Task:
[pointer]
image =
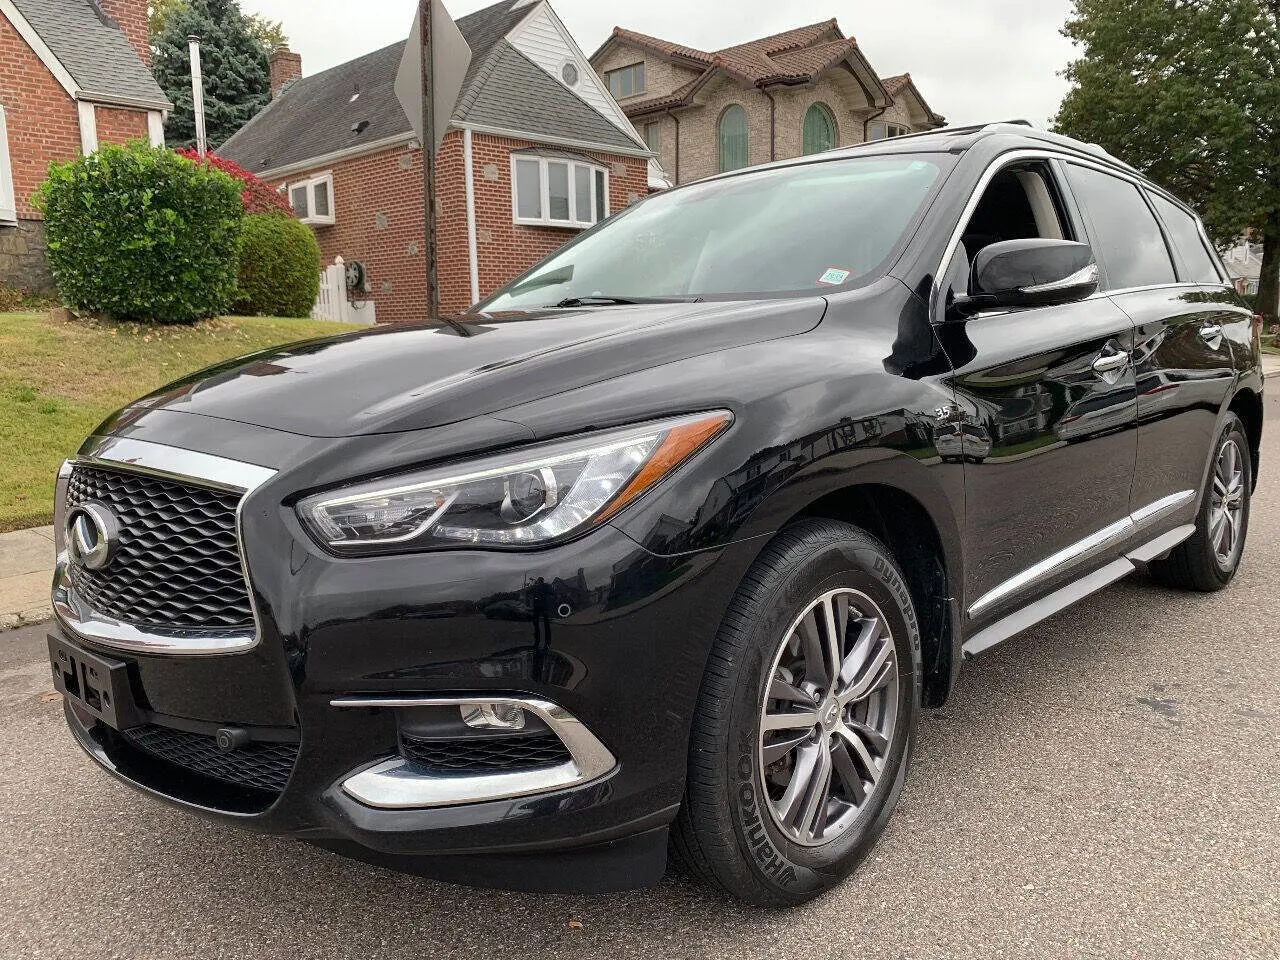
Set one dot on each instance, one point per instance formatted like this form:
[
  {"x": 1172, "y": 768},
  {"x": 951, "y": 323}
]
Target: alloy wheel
[
  {"x": 829, "y": 716},
  {"x": 1226, "y": 508}
]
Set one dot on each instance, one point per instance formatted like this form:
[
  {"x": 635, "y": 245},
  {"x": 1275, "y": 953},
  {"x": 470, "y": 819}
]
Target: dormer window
[{"x": 626, "y": 81}]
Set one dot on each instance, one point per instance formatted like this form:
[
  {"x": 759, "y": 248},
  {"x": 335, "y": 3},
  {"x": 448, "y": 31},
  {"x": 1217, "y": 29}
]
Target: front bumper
[{"x": 601, "y": 630}]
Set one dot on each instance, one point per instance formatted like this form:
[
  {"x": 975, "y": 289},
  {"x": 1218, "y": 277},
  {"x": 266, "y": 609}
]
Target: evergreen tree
[
  {"x": 237, "y": 80},
  {"x": 1189, "y": 93}
]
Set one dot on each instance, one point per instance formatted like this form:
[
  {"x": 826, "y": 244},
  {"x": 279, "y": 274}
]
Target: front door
[{"x": 1048, "y": 396}]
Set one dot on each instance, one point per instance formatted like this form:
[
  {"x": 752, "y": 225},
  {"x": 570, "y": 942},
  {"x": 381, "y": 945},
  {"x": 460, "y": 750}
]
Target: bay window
[
  {"x": 312, "y": 200},
  {"x": 558, "y": 191}
]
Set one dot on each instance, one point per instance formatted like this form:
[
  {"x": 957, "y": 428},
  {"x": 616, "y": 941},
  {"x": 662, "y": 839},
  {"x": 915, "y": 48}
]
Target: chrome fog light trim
[{"x": 402, "y": 784}]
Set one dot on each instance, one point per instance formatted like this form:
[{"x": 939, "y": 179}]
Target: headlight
[{"x": 525, "y": 498}]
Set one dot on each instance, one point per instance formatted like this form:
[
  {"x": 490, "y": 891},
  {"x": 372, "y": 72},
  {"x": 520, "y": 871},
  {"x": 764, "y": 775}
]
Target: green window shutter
[
  {"x": 819, "y": 130},
  {"x": 733, "y": 139}
]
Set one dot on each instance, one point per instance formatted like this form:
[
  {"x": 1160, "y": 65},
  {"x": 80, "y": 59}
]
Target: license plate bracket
[{"x": 96, "y": 684}]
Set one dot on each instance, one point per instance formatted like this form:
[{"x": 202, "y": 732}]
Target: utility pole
[
  {"x": 197, "y": 94},
  {"x": 429, "y": 155}
]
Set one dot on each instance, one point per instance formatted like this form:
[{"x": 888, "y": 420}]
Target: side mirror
[{"x": 1032, "y": 273}]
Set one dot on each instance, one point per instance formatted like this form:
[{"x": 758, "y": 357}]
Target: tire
[
  {"x": 731, "y": 830},
  {"x": 1201, "y": 563}
]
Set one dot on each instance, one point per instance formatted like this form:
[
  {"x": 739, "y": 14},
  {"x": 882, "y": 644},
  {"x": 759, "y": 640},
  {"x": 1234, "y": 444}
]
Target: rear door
[{"x": 1182, "y": 359}]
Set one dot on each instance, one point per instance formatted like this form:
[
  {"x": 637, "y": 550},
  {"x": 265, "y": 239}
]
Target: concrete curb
[{"x": 26, "y": 571}]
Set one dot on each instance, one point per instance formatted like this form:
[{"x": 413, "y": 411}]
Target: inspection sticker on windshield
[{"x": 834, "y": 277}]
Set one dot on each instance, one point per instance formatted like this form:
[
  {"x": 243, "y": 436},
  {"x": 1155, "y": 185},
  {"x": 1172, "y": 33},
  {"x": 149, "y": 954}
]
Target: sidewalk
[
  {"x": 1270, "y": 365},
  {"x": 26, "y": 572}
]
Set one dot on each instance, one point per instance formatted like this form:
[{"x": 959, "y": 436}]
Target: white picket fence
[{"x": 334, "y": 305}]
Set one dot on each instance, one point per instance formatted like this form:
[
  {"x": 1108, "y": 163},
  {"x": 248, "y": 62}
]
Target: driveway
[{"x": 1107, "y": 785}]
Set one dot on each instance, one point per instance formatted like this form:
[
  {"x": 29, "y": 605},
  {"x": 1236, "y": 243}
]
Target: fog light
[{"x": 493, "y": 716}]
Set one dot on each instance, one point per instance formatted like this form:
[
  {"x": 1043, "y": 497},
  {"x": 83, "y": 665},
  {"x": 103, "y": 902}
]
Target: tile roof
[
  {"x": 902, "y": 83},
  {"x": 317, "y": 115},
  {"x": 93, "y": 50},
  {"x": 792, "y": 56}
]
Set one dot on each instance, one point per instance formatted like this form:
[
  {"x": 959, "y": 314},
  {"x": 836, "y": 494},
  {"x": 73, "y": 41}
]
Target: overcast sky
[{"x": 973, "y": 60}]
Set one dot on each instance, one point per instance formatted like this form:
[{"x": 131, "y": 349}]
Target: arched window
[
  {"x": 819, "y": 130},
  {"x": 733, "y": 139}
]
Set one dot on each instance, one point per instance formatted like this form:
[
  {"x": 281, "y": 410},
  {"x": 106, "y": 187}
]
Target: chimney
[
  {"x": 131, "y": 17},
  {"x": 286, "y": 67}
]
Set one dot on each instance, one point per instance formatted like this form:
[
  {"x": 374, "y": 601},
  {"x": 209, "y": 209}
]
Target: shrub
[
  {"x": 11, "y": 298},
  {"x": 140, "y": 233},
  {"x": 257, "y": 194},
  {"x": 279, "y": 267}
]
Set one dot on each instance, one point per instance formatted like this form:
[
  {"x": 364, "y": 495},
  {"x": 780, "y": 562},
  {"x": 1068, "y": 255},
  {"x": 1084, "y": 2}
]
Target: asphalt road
[{"x": 1107, "y": 785}]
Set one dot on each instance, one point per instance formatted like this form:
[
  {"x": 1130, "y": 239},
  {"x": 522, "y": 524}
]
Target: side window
[
  {"x": 1020, "y": 203},
  {"x": 1184, "y": 233},
  {"x": 1126, "y": 237}
]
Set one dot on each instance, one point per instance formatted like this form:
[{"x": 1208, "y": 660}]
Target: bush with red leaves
[{"x": 258, "y": 195}]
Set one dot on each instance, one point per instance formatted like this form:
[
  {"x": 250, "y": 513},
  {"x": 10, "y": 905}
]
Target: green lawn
[{"x": 60, "y": 378}]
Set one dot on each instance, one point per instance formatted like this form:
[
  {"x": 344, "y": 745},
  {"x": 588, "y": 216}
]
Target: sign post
[
  {"x": 429, "y": 155},
  {"x": 435, "y": 63},
  {"x": 197, "y": 94}
]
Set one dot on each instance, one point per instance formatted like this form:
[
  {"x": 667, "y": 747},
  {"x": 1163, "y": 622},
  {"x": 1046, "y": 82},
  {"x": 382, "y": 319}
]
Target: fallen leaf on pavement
[
  {"x": 575, "y": 924},
  {"x": 50, "y": 696}
]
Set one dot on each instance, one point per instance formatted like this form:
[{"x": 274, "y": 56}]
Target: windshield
[{"x": 795, "y": 230}]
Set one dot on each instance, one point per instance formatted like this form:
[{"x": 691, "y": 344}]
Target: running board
[{"x": 1073, "y": 592}]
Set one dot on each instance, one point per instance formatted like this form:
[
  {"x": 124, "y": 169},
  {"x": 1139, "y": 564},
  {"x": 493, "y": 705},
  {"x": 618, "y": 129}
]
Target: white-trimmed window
[
  {"x": 558, "y": 192},
  {"x": 881, "y": 130},
  {"x": 312, "y": 200},
  {"x": 8, "y": 207}
]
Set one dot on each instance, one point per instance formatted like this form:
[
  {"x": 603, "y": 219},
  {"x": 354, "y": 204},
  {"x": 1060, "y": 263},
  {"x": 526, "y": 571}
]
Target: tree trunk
[{"x": 1269, "y": 279}]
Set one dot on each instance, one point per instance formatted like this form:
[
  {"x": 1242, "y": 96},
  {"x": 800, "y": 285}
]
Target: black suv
[{"x": 669, "y": 541}]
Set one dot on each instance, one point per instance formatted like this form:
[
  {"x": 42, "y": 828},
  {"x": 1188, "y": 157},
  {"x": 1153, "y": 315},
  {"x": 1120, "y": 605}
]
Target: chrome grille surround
[
  {"x": 178, "y": 562},
  {"x": 76, "y": 599}
]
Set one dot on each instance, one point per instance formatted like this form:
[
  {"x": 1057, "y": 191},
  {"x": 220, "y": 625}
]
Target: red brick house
[
  {"x": 73, "y": 74},
  {"x": 536, "y": 151},
  {"x": 782, "y": 96}
]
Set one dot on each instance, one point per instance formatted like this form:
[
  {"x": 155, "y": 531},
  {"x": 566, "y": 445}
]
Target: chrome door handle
[
  {"x": 1211, "y": 331},
  {"x": 1111, "y": 362}
]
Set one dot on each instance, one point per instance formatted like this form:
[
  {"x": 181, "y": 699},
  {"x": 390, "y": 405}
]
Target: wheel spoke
[
  {"x": 813, "y": 814},
  {"x": 813, "y": 648},
  {"x": 876, "y": 740},
  {"x": 791, "y": 802},
  {"x": 782, "y": 690},
  {"x": 868, "y": 633},
  {"x": 861, "y": 756},
  {"x": 775, "y": 751},
  {"x": 847, "y": 771},
  {"x": 836, "y": 617},
  {"x": 795, "y": 720},
  {"x": 878, "y": 671}
]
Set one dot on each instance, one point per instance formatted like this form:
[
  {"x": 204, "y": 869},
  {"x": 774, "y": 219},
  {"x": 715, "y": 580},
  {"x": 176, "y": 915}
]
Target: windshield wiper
[{"x": 606, "y": 301}]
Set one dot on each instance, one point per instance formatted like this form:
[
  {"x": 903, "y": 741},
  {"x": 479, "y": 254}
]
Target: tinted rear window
[
  {"x": 1126, "y": 237},
  {"x": 1184, "y": 233}
]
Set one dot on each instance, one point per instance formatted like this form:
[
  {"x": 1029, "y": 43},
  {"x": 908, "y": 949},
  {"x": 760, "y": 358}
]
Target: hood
[{"x": 408, "y": 377}]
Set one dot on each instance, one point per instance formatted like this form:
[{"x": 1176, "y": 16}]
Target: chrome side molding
[
  {"x": 1059, "y": 600},
  {"x": 401, "y": 784},
  {"x": 1080, "y": 552}
]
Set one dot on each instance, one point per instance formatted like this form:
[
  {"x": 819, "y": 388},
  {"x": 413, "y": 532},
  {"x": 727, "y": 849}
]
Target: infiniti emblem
[{"x": 92, "y": 535}]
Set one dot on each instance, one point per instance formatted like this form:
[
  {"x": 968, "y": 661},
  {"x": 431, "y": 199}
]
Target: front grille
[
  {"x": 487, "y": 753},
  {"x": 178, "y": 560},
  {"x": 262, "y": 766}
]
